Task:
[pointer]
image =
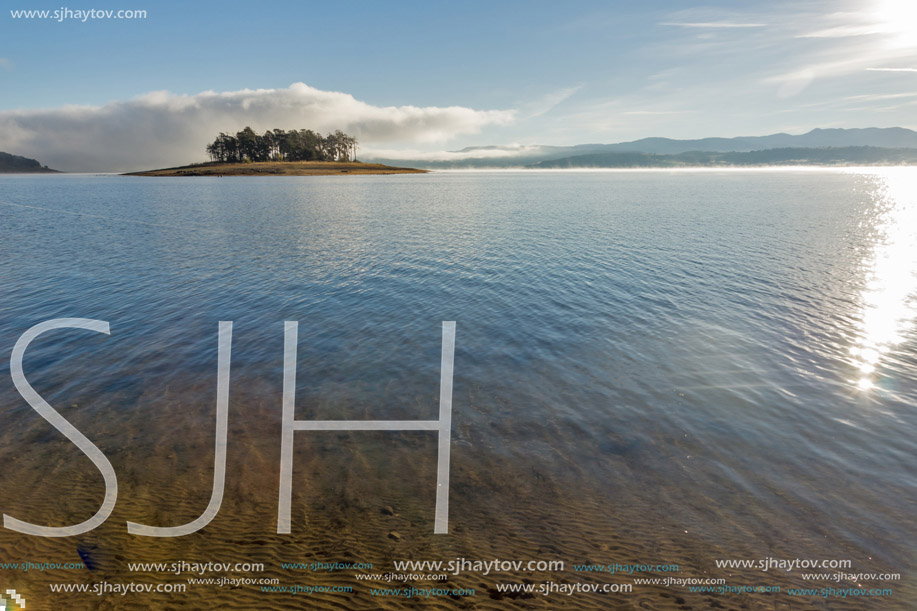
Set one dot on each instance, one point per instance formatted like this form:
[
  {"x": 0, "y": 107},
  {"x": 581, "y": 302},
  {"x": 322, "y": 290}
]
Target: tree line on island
[{"x": 280, "y": 145}]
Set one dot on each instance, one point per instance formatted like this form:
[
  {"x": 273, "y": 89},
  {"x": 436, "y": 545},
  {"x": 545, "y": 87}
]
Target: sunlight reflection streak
[{"x": 888, "y": 307}]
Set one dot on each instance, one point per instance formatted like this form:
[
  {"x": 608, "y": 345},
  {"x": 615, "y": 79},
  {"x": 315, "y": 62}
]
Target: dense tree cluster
[{"x": 280, "y": 145}]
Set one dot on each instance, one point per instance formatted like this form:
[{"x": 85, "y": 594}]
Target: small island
[
  {"x": 280, "y": 153},
  {"x": 279, "y": 168}
]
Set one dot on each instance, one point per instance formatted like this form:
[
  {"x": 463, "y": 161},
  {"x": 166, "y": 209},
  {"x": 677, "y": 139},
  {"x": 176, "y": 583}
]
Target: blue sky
[{"x": 523, "y": 72}]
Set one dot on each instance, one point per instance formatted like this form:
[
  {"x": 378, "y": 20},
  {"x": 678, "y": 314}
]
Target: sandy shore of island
[{"x": 279, "y": 168}]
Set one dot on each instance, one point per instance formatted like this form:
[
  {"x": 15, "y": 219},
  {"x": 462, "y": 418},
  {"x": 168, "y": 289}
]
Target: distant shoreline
[
  {"x": 791, "y": 156},
  {"x": 279, "y": 168}
]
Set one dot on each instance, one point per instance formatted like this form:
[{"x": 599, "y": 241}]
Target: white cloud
[
  {"x": 881, "y": 96},
  {"x": 653, "y": 113},
  {"x": 548, "y": 102},
  {"x": 834, "y": 61},
  {"x": 163, "y": 128},
  {"x": 846, "y": 31},
  {"x": 794, "y": 83},
  {"x": 712, "y": 24},
  {"x": 494, "y": 152},
  {"x": 891, "y": 69},
  {"x": 892, "y": 20}
]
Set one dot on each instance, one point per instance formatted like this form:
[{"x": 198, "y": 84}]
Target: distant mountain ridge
[
  {"x": 822, "y": 156},
  {"x": 14, "y": 164},
  {"x": 889, "y": 137},
  {"x": 500, "y": 156}
]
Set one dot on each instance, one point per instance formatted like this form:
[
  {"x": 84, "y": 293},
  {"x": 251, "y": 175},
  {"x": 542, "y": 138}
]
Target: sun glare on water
[{"x": 888, "y": 298}]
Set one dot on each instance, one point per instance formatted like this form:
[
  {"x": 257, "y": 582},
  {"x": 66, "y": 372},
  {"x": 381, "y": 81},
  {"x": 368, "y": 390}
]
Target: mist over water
[{"x": 660, "y": 366}]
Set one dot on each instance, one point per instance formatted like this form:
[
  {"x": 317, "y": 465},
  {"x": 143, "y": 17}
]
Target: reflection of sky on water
[{"x": 888, "y": 299}]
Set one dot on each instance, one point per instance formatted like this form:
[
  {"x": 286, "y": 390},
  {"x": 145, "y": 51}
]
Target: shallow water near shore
[{"x": 650, "y": 368}]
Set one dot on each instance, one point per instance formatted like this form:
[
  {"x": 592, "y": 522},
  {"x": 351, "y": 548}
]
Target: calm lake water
[{"x": 650, "y": 367}]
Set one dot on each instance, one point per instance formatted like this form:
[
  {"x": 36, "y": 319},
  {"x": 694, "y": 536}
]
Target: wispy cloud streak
[{"x": 712, "y": 24}]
